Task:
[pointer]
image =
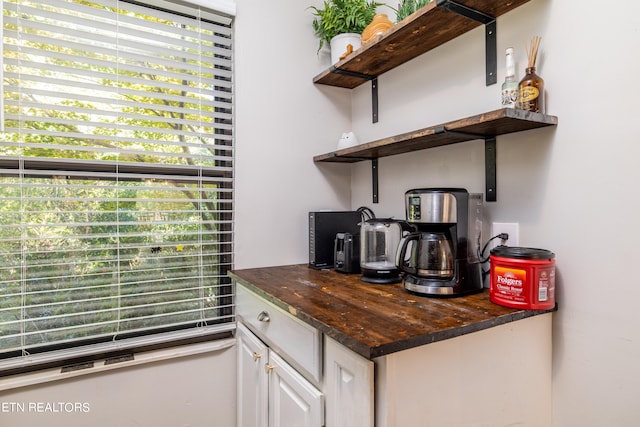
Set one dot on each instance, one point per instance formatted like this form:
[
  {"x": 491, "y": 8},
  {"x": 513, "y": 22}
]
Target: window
[{"x": 116, "y": 176}]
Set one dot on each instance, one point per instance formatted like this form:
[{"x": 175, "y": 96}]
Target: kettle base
[
  {"x": 385, "y": 280},
  {"x": 379, "y": 275}
]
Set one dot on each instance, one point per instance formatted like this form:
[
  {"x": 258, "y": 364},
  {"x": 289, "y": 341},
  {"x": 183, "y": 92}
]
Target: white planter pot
[{"x": 339, "y": 45}]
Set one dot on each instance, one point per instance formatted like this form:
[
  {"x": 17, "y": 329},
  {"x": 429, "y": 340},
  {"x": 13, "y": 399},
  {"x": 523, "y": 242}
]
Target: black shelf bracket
[
  {"x": 490, "y": 177},
  {"x": 490, "y": 181},
  {"x": 490, "y": 32},
  {"x": 374, "y": 179},
  {"x": 374, "y": 100},
  {"x": 374, "y": 88}
]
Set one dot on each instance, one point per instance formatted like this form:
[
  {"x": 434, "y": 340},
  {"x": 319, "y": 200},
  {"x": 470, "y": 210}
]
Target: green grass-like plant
[{"x": 407, "y": 7}]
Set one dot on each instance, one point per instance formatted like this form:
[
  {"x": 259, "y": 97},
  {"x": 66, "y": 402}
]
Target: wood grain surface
[
  {"x": 489, "y": 124},
  {"x": 373, "y": 320}
]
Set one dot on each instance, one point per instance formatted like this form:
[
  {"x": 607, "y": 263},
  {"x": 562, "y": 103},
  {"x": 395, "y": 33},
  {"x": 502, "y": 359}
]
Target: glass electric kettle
[{"x": 379, "y": 240}]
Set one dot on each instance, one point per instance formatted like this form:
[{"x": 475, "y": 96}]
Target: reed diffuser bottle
[{"x": 531, "y": 87}]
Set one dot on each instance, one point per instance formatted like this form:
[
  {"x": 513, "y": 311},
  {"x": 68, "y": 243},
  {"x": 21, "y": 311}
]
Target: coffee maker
[{"x": 441, "y": 257}]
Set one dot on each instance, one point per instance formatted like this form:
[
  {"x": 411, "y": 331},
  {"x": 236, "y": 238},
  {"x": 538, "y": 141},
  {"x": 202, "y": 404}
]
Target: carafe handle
[
  {"x": 402, "y": 251},
  {"x": 407, "y": 227}
]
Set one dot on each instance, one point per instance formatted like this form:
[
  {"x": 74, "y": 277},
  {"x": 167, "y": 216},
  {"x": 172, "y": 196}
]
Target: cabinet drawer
[{"x": 297, "y": 342}]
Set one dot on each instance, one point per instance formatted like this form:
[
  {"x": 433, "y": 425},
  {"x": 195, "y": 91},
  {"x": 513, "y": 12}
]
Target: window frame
[{"x": 60, "y": 355}]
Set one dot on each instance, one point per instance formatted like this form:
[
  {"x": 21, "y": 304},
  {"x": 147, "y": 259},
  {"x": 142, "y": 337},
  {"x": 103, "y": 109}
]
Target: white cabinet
[
  {"x": 286, "y": 376},
  {"x": 291, "y": 374},
  {"x": 293, "y": 401},
  {"x": 252, "y": 380},
  {"x": 271, "y": 393},
  {"x": 279, "y": 366},
  {"x": 348, "y": 387}
]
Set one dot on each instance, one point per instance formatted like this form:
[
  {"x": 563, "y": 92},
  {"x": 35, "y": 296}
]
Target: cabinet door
[
  {"x": 252, "y": 379},
  {"x": 349, "y": 387},
  {"x": 293, "y": 401}
]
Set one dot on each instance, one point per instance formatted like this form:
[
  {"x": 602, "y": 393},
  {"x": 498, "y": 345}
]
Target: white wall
[
  {"x": 282, "y": 121},
  {"x": 572, "y": 189},
  {"x": 197, "y": 390}
]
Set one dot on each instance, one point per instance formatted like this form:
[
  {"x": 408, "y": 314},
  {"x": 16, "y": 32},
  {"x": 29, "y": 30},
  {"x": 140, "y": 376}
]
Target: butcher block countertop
[{"x": 373, "y": 320}]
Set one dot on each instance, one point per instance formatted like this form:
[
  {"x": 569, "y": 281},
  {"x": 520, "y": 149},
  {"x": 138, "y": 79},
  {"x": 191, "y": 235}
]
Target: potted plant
[
  {"x": 407, "y": 7},
  {"x": 339, "y": 17}
]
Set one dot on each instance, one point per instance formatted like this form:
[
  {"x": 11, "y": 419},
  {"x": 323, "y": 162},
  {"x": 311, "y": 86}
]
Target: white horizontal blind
[{"x": 116, "y": 173}]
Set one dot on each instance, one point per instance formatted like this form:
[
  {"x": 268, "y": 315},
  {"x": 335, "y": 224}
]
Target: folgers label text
[{"x": 509, "y": 282}]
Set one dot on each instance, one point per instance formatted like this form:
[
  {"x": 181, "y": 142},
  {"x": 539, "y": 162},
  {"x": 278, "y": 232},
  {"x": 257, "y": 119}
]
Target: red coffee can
[{"x": 523, "y": 278}]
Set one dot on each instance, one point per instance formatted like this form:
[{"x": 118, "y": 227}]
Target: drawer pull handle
[
  {"x": 256, "y": 356},
  {"x": 268, "y": 368},
  {"x": 264, "y": 316}
]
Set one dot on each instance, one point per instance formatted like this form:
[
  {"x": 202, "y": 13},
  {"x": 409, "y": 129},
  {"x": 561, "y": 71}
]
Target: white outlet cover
[{"x": 511, "y": 228}]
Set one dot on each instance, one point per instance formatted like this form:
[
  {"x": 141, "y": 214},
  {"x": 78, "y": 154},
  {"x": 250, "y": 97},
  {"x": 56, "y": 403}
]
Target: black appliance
[
  {"x": 347, "y": 253},
  {"x": 323, "y": 228}
]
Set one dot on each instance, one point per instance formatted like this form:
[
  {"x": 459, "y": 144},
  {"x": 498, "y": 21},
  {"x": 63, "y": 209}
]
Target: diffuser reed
[{"x": 532, "y": 51}]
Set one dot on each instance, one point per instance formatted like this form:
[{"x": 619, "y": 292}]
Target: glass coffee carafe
[{"x": 427, "y": 254}]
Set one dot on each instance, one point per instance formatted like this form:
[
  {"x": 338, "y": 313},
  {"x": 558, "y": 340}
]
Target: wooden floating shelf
[
  {"x": 428, "y": 28},
  {"x": 481, "y": 126}
]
